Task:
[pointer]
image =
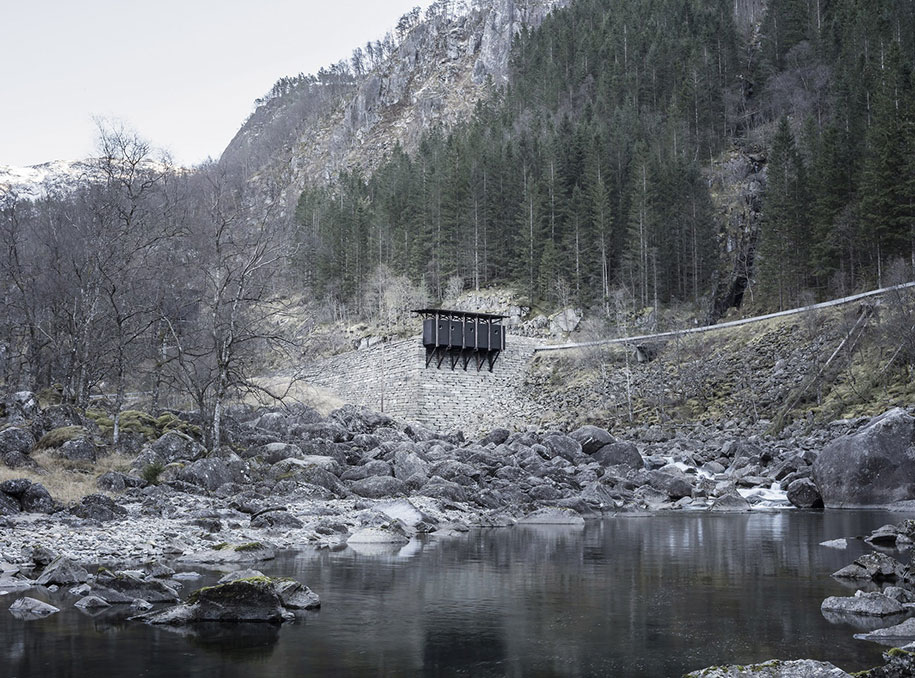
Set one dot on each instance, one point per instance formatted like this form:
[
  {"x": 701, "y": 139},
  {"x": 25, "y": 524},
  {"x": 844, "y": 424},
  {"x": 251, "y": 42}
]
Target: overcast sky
[{"x": 182, "y": 73}]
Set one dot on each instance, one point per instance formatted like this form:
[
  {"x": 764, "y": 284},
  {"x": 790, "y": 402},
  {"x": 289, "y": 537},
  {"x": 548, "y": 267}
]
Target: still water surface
[{"x": 654, "y": 596}]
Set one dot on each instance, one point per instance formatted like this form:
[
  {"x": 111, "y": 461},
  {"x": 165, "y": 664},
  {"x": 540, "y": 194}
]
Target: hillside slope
[{"x": 309, "y": 129}]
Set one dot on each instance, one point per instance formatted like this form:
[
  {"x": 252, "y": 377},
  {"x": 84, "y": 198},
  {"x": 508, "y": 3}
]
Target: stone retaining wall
[{"x": 439, "y": 398}]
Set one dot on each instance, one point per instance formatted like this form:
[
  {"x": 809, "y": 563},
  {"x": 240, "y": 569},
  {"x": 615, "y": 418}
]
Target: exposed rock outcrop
[{"x": 874, "y": 466}]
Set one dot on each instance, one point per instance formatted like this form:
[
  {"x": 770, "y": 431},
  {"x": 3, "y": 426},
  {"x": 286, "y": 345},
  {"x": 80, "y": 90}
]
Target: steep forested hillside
[
  {"x": 592, "y": 176},
  {"x": 583, "y": 180}
]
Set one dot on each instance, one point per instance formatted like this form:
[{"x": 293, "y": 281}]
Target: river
[{"x": 625, "y": 596}]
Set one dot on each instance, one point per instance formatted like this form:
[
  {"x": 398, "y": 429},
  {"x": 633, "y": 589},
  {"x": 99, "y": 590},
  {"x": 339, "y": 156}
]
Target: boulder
[
  {"x": 408, "y": 463},
  {"x": 889, "y": 535},
  {"x": 297, "y": 596},
  {"x": 36, "y": 499},
  {"x": 566, "y": 447},
  {"x": 803, "y": 493},
  {"x": 123, "y": 588},
  {"x": 388, "y": 533},
  {"x": 275, "y": 422},
  {"x": 174, "y": 446},
  {"x": 863, "y": 604},
  {"x": 91, "y": 603},
  {"x": 379, "y": 487},
  {"x": 897, "y": 636},
  {"x": 374, "y": 467},
  {"x": 873, "y": 566},
  {"x": 439, "y": 488},
  {"x": 675, "y": 485},
  {"x": 231, "y": 553},
  {"x": 15, "y": 487},
  {"x": 31, "y": 608},
  {"x": 78, "y": 449},
  {"x": 591, "y": 438},
  {"x": 61, "y": 570},
  {"x": 552, "y": 515},
  {"x": 243, "y": 600},
  {"x": 497, "y": 436},
  {"x": 797, "y": 668},
  {"x": 98, "y": 507},
  {"x": 9, "y": 505},
  {"x": 874, "y": 466},
  {"x": 730, "y": 503},
  {"x": 403, "y": 510},
  {"x": 619, "y": 454},
  {"x": 301, "y": 471},
  {"x": 15, "y": 445},
  {"x": 274, "y": 452},
  {"x": 209, "y": 473},
  {"x": 115, "y": 481},
  {"x": 276, "y": 519},
  {"x": 359, "y": 420}
]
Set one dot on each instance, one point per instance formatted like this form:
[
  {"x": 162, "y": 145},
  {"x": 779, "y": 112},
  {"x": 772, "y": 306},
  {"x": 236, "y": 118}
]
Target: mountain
[
  {"x": 432, "y": 73},
  {"x": 49, "y": 178}
]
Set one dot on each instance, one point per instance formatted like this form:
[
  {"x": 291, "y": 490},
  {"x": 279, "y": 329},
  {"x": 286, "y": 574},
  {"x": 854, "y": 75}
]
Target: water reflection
[{"x": 627, "y": 596}]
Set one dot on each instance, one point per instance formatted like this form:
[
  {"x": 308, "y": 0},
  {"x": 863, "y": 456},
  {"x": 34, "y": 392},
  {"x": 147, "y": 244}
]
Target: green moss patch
[{"x": 58, "y": 436}]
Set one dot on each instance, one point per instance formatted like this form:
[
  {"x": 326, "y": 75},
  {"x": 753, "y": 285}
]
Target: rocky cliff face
[{"x": 435, "y": 75}]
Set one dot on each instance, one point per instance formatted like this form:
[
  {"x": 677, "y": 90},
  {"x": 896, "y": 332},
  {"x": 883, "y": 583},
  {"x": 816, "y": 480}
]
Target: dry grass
[
  {"x": 67, "y": 481},
  {"x": 315, "y": 397}
]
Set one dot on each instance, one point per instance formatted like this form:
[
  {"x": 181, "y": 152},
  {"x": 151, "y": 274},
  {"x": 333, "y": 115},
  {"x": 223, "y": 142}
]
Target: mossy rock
[
  {"x": 136, "y": 421},
  {"x": 101, "y": 419},
  {"x": 58, "y": 436},
  {"x": 52, "y": 395}
]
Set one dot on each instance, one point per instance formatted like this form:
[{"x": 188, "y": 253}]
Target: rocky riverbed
[{"x": 291, "y": 479}]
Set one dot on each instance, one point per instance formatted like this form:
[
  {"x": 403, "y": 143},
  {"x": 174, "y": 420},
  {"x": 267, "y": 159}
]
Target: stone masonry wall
[{"x": 439, "y": 398}]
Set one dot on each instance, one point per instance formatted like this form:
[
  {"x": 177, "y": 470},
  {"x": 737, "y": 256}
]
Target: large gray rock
[
  {"x": 775, "y": 668},
  {"x": 675, "y": 485},
  {"x": 15, "y": 445},
  {"x": 243, "y": 600},
  {"x": 274, "y": 452},
  {"x": 122, "y": 588},
  {"x": 62, "y": 571},
  {"x": 803, "y": 493},
  {"x": 619, "y": 454},
  {"x": 78, "y": 449},
  {"x": 175, "y": 446},
  {"x": 730, "y": 503},
  {"x": 408, "y": 463},
  {"x": 210, "y": 473},
  {"x": 379, "y": 487},
  {"x": 297, "y": 596},
  {"x": 863, "y": 604},
  {"x": 231, "y": 553},
  {"x": 566, "y": 447},
  {"x": 375, "y": 467},
  {"x": 897, "y": 636},
  {"x": 36, "y": 499},
  {"x": 302, "y": 471},
  {"x": 592, "y": 438},
  {"x": 873, "y": 566},
  {"x": 872, "y": 467},
  {"x": 9, "y": 505},
  {"x": 31, "y": 608},
  {"x": 276, "y": 520},
  {"x": 115, "y": 481},
  {"x": 98, "y": 507},
  {"x": 553, "y": 516}
]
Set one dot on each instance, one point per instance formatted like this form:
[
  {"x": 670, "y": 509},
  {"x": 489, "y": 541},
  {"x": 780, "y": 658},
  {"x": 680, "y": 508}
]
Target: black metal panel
[
  {"x": 483, "y": 337},
  {"x": 457, "y": 334},
  {"x": 470, "y": 334},
  {"x": 443, "y": 333},
  {"x": 495, "y": 337},
  {"x": 429, "y": 332}
]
